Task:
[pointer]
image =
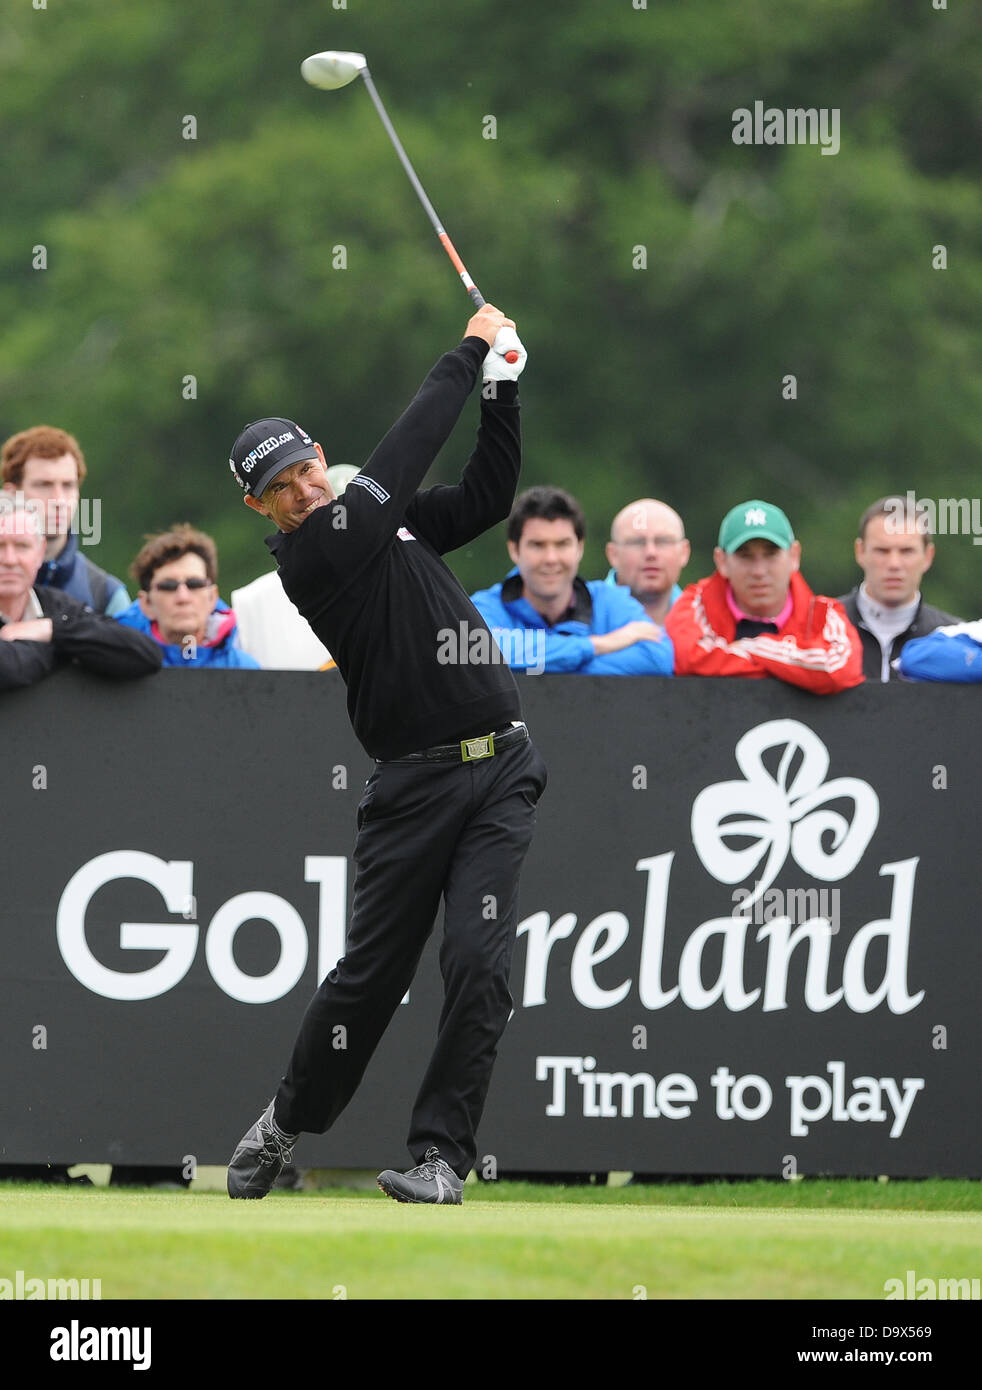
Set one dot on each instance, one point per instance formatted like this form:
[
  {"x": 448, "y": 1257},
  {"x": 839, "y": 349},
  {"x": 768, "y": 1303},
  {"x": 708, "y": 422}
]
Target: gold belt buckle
[{"x": 473, "y": 749}]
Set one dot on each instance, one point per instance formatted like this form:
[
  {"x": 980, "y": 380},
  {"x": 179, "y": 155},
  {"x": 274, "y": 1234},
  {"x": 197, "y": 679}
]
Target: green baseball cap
[{"x": 752, "y": 521}]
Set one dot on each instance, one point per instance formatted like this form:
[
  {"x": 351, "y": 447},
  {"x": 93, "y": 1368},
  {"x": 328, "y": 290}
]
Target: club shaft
[{"x": 428, "y": 207}]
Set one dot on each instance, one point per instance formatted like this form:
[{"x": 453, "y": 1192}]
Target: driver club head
[{"x": 332, "y": 69}]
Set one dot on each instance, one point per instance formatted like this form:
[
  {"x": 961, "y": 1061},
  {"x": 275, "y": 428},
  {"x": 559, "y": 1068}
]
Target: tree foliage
[{"x": 666, "y": 280}]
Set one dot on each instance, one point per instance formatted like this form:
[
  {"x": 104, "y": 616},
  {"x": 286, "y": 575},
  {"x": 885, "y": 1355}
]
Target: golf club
[{"x": 333, "y": 69}]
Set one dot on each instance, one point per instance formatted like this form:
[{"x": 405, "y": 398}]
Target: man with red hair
[{"x": 45, "y": 467}]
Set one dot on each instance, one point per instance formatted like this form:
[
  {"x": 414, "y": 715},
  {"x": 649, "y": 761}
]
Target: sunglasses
[{"x": 171, "y": 586}]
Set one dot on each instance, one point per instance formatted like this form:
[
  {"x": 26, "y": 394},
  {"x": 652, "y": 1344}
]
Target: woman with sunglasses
[{"x": 178, "y": 604}]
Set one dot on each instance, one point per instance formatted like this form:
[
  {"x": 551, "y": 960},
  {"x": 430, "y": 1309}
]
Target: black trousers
[{"x": 425, "y": 830}]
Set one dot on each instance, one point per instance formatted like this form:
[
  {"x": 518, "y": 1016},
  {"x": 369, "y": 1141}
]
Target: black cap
[{"x": 264, "y": 449}]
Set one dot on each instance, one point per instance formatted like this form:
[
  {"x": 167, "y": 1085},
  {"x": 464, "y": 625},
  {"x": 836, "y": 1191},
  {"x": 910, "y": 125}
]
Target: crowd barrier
[{"x": 748, "y": 933}]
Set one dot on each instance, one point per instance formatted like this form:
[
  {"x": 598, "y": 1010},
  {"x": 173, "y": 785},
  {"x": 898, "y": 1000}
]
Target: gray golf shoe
[
  {"x": 432, "y": 1181},
  {"x": 260, "y": 1157}
]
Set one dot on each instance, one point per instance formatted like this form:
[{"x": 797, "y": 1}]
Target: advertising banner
[{"x": 747, "y": 942}]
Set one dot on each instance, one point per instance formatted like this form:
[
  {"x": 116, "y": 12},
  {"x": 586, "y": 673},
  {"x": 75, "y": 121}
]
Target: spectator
[
  {"x": 590, "y": 627},
  {"x": 756, "y": 616},
  {"x": 272, "y": 629},
  {"x": 893, "y": 549},
  {"x": 43, "y": 628},
  {"x": 178, "y": 604},
  {"x": 952, "y": 653},
  {"x": 40, "y": 630},
  {"x": 647, "y": 552},
  {"x": 269, "y": 625},
  {"x": 45, "y": 466}
]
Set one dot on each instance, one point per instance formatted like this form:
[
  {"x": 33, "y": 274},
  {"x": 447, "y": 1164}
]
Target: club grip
[{"x": 479, "y": 303}]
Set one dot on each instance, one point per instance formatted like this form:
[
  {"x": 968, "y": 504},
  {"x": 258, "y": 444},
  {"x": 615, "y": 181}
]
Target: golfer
[{"x": 449, "y": 809}]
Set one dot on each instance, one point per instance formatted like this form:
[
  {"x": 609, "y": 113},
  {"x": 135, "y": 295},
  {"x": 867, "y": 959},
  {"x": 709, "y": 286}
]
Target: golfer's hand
[
  {"x": 486, "y": 323},
  {"x": 507, "y": 357}
]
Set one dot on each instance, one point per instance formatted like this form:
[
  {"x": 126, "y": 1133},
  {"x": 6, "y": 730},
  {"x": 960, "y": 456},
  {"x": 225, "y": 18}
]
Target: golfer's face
[{"x": 295, "y": 493}]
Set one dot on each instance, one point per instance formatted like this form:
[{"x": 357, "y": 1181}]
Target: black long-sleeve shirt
[
  {"x": 366, "y": 571},
  {"x": 78, "y": 634}
]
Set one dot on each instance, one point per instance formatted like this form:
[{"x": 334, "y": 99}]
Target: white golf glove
[{"x": 496, "y": 367}]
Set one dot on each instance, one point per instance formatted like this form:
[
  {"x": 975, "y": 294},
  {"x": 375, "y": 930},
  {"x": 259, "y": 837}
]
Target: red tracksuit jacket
[{"x": 817, "y": 648}]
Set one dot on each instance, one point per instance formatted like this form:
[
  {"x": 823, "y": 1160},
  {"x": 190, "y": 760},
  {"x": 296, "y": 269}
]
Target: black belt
[{"x": 468, "y": 750}]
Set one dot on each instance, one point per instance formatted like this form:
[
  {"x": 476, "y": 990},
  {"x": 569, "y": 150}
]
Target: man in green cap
[{"x": 756, "y": 616}]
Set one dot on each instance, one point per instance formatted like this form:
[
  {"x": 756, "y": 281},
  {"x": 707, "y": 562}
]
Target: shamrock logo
[{"x": 783, "y": 812}]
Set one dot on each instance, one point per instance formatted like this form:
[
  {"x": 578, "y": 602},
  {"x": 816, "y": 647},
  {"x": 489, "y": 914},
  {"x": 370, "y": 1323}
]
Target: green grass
[
  {"x": 852, "y": 1194},
  {"x": 813, "y": 1239}
]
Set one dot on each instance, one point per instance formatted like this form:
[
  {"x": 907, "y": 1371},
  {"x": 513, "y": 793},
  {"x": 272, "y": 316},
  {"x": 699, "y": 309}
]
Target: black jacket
[
  {"x": 367, "y": 573},
  {"x": 78, "y": 634},
  {"x": 926, "y": 619}
]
